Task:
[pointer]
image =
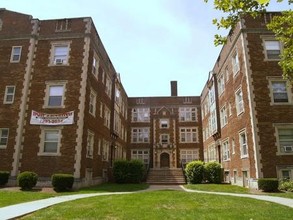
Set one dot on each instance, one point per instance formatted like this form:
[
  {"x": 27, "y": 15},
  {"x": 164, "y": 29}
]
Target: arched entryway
[{"x": 165, "y": 160}]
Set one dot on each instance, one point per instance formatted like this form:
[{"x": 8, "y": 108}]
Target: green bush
[
  {"x": 194, "y": 172},
  {"x": 4, "y": 176},
  {"x": 286, "y": 185},
  {"x": 213, "y": 172},
  {"x": 27, "y": 180},
  {"x": 128, "y": 171},
  {"x": 268, "y": 184},
  {"x": 62, "y": 182}
]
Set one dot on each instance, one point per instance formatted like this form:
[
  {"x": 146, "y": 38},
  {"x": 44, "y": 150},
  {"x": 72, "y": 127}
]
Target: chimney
[{"x": 173, "y": 88}]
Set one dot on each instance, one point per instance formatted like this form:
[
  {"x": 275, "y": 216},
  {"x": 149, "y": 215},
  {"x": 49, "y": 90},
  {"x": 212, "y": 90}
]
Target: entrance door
[{"x": 165, "y": 160}]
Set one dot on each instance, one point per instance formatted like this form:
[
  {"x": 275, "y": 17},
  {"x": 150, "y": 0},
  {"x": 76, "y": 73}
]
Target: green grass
[
  {"x": 165, "y": 205},
  {"x": 217, "y": 188},
  {"x": 15, "y": 197}
]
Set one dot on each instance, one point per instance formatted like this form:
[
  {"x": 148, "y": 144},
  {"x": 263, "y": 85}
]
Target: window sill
[
  {"x": 244, "y": 157},
  {"x": 50, "y": 154},
  {"x": 281, "y": 103},
  {"x": 61, "y": 106},
  {"x": 3, "y": 147},
  {"x": 284, "y": 154},
  {"x": 274, "y": 60},
  {"x": 52, "y": 64}
]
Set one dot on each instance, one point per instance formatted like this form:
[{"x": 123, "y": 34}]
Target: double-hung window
[
  {"x": 235, "y": 63},
  {"x": 239, "y": 101},
  {"x": 187, "y": 114},
  {"x": 92, "y": 103},
  {"x": 140, "y": 115},
  {"x": 15, "y": 54},
  {"x": 280, "y": 91},
  {"x": 50, "y": 144},
  {"x": 140, "y": 135},
  {"x": 285, "y": 136},
  {"x": 164, "y": 123},
  {"x": 60, "y": 53},
  {"x": 243, "y": 144},
  {"x": 90, "y": 144},
  {"x": 272, "y": 49},
  {"x": 164, "y": 138},
  {"x": 188, "y": 135},
  {"x": 142, "y": 155},
  {"x": 223, "y": 116},
  {"x": 188, "y": 155},
  {"x": 226, "y": 150},
  {"x": 55, "y": 95},
  {"x": 9, "y": 94},
  {"x": 3, "y": 137}
]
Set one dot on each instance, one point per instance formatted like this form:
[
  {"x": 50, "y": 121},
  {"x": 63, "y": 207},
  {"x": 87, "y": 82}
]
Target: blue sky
[{"x": 149, "y": 42}]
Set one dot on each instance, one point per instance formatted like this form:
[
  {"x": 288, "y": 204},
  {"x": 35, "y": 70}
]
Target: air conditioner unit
[
  {"x": 59, "y": 61},
  {"x": 288, "y": 148}
]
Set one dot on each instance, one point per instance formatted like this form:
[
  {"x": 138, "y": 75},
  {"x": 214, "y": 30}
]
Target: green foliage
[
  {"x": 212, "y": 172},
  {"x": 27, "y": 180},
  {"x": 286, "y": 185},
  {"x": 62, "y": 182},
  {"x": 194, "y": 172},
  {"x": 125, "y": 171},
  {"x": 4, "y": 176},
  {"x": 268, "y": 184}
]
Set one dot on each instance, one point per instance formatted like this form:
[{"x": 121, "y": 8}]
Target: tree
[{"x": 281, "y": 26}]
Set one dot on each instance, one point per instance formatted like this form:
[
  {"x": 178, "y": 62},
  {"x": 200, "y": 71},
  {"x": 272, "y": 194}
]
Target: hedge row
[{"x": 125, "y": 171}]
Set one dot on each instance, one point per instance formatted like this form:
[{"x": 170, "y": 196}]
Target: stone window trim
[
  {"x": 278, "y": 126},
  {"x": 188, "y": 114},
  {"x": 140, "y": 135},
  {"x": 188, "y": 135},
  {"x": 164, "y": 123},
  {"x": 288, "y": 169},
  {"x": 9, "y": 95},
  {"x": 53, "y": 61},
  {"x": 164, "y": 138},
  {"x": 272, "y": 79},
  {"x": 266, "y": 38},
  {"x": 15, "y": 54},
  {"x": 4, "y": 138},
  {"x": 47, "y": 93},
  {"x": 42, "y": 140},
  {"x": 243, "y": 155}
]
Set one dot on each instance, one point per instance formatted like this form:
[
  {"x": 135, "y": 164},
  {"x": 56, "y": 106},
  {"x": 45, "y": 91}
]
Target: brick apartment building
[
  {"x": 64, "y": 108},
  {"x": 247, "y": 107}
]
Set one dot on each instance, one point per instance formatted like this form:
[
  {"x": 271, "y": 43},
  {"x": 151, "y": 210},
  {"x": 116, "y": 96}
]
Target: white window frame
[
  {"x": 235, "y": 63},
  {"x": 107, "y": 116},
  {"x": 188, "y": 155},
  {"x": 55, "y": 60},
  {"x": 243, "y": 146},
  {"x": 4, "y": 137},
  {"x": 188, "y": 134},
  {"x": 226, "y": 150},
  {"x": 164, "y": 123},
  {"x": 140, "y": 115},
  {"x": 267, "y": 55},
  {"x": 108, "y": 86},
  {"x": 187, "y": 114},
  {"x": 284, "y": 150},
  {"x": 212, "y": 153},
  {"x": 92, "y": 103},
  {"x": 95, "y": 66},
  {"x": 140, "y": 135},
  {"x": 164, "y": 138},
  {"x": 90, "y": 144},
  {"x": 239, "y": 101},
  {"x": 16, "y": 55},
  {"x": 223, "y": 116},
  {"x": 47, "y": 92},
  {"x": 45, "y": 129},
  {"x": 141, "y": 154},
  {"x": 9, "y": 94},
  {"x": 106, "y": 149},
  {"x": 288, "y": 169},
  {"x": 221, "y": 84},
  {"x": 288, "y": 91}
]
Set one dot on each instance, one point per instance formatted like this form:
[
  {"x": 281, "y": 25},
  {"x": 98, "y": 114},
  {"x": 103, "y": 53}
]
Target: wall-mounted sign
[{"x": 39, "y": 118}]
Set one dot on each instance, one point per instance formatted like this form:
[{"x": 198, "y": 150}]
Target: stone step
[{"x": 166, "y": 176}]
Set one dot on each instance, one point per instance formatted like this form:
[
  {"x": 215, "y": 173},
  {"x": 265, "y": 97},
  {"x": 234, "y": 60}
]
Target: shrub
[
  {"x": 27, "y": 180},
  {"x": 194, "y": 172},
  {"x": 286, "y": 185},
  {"x": 4, "y": 176},
  {"x": 213, "y": 172},
  {"x": 128, "y": 171},
  {"x": 268, "y": 184},
  {"x": 62, "y": 182}
]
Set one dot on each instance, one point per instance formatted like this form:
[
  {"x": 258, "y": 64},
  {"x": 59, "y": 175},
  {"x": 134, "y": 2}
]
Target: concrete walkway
[{"x": 14, "y": 211}]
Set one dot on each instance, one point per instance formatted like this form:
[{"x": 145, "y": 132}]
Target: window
[
  {"x": 105, "y": 153},
  {"x": 213, "y": 122},
  {"x": 285, "y": 139},
  {"x": 164, "y": 123},
  {"x": 188, "y": 135},
  {"x": 280, "y": 91},
  {"x": 107, "y": 116},
  {"x": 226, "y": 150},
  {"x": 60, "y": 53},
  {"x": 50, "y": 141},
  {"x": 90, "y": 144},
  {"x": 235, "y": 63},
  {"x": 101, "y": 109},
  {"x": 142, "y": 155},
  {"x": 99, "y": 146},
  {"x": 239, "y": 101},
  {"x": 140, "y": 135},
  {"x": 233, "y": 146},
  {"x": 223, "y": 116},
  {"x": 9, "y": 94},
  {"x": 92, "y": 103},
  {"x": 227, "y": 75},
  {"x": 272, "y": 49},
  {"x": 286, "y": 173},
  {"x": 3, "y": 137},
  {"x": 164, "y": 138},
  {"x": 95, "y": 66},
  {"x": 140, "y": 115},
  {"x": 212, "y": 154},
  {"x": 243, "y": 144},
  {"x": 230, "y": 108},
  {"x": 187, "y": 155},
  {"x": 15, "y": 54},
  {"x": 221, "y": 84},
  {"x": 187, "y": 114},
  {"x": 55, "y": 94},
  {"x": 108, "y": 86}
]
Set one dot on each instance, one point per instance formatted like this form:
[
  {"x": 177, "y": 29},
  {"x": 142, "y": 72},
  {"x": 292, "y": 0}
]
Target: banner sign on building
[{"x": 38, "y": 118}]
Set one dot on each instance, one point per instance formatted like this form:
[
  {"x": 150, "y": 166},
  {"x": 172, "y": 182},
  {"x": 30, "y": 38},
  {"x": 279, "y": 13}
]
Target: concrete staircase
[{"x": 166, "y": 176}]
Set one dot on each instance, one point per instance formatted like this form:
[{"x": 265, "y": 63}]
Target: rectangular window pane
[
  {"x": 51, "y": 139},
  {"x": 280, "y": 91},
  {"x": 55, "y": 95}
]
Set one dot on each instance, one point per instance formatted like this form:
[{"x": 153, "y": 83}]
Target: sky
[{"x": 150, "y": 42}]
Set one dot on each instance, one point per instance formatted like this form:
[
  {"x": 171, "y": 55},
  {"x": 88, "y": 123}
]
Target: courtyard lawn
[
  {"x": 165, "y": 205},
  {"x": 114, "y": 187}
]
